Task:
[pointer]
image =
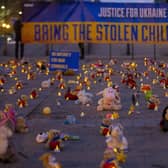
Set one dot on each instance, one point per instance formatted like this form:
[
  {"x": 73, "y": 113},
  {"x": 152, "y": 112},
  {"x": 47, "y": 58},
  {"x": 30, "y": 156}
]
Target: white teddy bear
[
  {"x": 110, "y": 100},
  {"x": 84, "y": 97},
  {"x": 5, "y": 133},
  {"x": 116, "y": 139},
  {"x": 6, "y": 152}
]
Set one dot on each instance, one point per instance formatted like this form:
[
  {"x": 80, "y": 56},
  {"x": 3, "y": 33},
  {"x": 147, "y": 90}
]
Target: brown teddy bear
[
  {"x": 109, "y": 160},
  {"x": 21, "y": 126},
  {"x": 49, "y": 161}
]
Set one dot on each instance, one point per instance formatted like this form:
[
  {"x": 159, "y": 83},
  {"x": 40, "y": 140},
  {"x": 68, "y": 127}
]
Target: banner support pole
[
  {"x": 154, "y": 51},
  {"x": 132, "y": 52},
  {"x": 110, "y": 53}
]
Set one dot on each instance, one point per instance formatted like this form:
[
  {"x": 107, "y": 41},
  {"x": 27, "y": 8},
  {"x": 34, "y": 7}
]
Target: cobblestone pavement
[{"x": 147, "y": 144}]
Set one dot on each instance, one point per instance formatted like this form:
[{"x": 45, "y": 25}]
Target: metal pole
[
  {"x": 154, "y": 51},
  {"x": 132, "y": 52},
  {"x": 128, "y": 49},
  {"x": 47, "y": 52},
  {"x": 110, "y": 53}
]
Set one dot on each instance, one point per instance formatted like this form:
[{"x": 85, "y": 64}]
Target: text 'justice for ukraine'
[{"x": 134, "y": 28}]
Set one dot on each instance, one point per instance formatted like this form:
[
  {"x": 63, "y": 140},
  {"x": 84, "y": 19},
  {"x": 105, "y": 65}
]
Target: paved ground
[{"x": 147, "y": 144}]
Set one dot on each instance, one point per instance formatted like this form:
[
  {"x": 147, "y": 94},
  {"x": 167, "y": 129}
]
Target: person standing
[
  {"x": 82, "y": 50},
  {"x": 19, "y": 46}
]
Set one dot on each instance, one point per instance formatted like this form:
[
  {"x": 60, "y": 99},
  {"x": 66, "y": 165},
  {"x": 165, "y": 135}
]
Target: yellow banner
[{"x": 94, "y": 32}]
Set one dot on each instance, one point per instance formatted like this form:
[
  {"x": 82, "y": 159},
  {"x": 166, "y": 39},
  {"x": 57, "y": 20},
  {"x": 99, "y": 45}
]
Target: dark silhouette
[
  {"x": 82, "y": 50},
  {"x": 18, "y": 40}
]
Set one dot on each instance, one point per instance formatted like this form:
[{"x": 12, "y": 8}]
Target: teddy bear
[
  {"x": 55, "y": 140},
  {"x": 129, "y": 80},
  {"x": 164, "y": 120},
  {"x": 153, "y": 102},
  {"x": 84, "y": 97},
  {"x": 7, "y": 124},
  {"x": 164, "y": 82},
  {"x": 49, "y": 161},
  {"x": 21, "y": 126},
  {"x": 6, "y": 152},
  {"x": 70, "y": 95},
  {"x": 116, "y": 138},
  {"x": 46, "y": 83},
  {"x": 22, "y": 101},
  {"x": 110, "y": 100},
  {"x": 41, "y": 137},
  {"x": 104, "y": 128},
  {"x": 109, "y": 160}
]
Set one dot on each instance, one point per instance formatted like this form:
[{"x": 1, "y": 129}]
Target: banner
[
  {"x": 63, "y": 60},
  {"x": 95, "y": 23}
]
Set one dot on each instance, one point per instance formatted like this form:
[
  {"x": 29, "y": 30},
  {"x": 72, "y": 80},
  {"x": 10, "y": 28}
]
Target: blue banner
[
  {"x": 74, "y": 22},
  {"x": 99, "y": 12},
  {"x": 64, "y": 60}
]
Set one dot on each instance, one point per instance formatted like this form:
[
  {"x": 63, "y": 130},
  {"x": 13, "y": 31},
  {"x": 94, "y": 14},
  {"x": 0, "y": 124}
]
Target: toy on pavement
[{"x": 110, "y": 100}]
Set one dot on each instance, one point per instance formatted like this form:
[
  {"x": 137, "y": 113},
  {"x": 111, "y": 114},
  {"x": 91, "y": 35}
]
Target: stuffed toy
[
  {"x": 46, "y": 110},
  {"x": 153, "y": 102},
  {"x": 46, "y": 84},
  {"x": 42, "y": 137},
  {"x": 148, "y": 94},
  {"x": 109, "y": 160},
  {"x": 164, "y": 120},
  {"x": 54, "y": 141},
  {"x": 104, "y": 128},
  {"x": 6, "y": 152},
  {"x": 110, "y": 100},
  {"x": 31, "y": 75},
  {"x": 145, "y": 87},
  {"x": 164, "y": 82},
  {"x": 2, "y": 80},
  {"x": 19, "y": 85},
  {"x": 116, "y": 138},
  {"x": 70, "y": 119},
  {"x": 84, "y": 97},
  {"x": 22, "y": 101},
  {"x": 69, "y": 72},
  {"x": 41, "y": 65},
  {"x": 49, "y": 161},
  {"x": 33, "y": 94},
  {"x": 70, "y": 95},
  {"x": 21, "y": 126},
  {"x": 129, "y": 80}
]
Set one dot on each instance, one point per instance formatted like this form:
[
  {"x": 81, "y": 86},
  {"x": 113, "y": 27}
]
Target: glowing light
[
  {"x": 8, "y": 26},
  {"x": 59, "y": 94},
  {"x": 4, "y": 25},
  {"x": 2, "y": 7},
  {"x": 20, "y": 12}
]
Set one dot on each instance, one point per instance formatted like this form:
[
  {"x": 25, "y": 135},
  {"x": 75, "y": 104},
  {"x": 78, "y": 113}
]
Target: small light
[
  {"x": 4, "y": 25},
  {"x": 2, "y": 7},
  {"x": 82, "y": 114},
  {"x": 20, "y": 12},
  {"x": 59, "y": 94},
  {"x": 8, "y": 26}
]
